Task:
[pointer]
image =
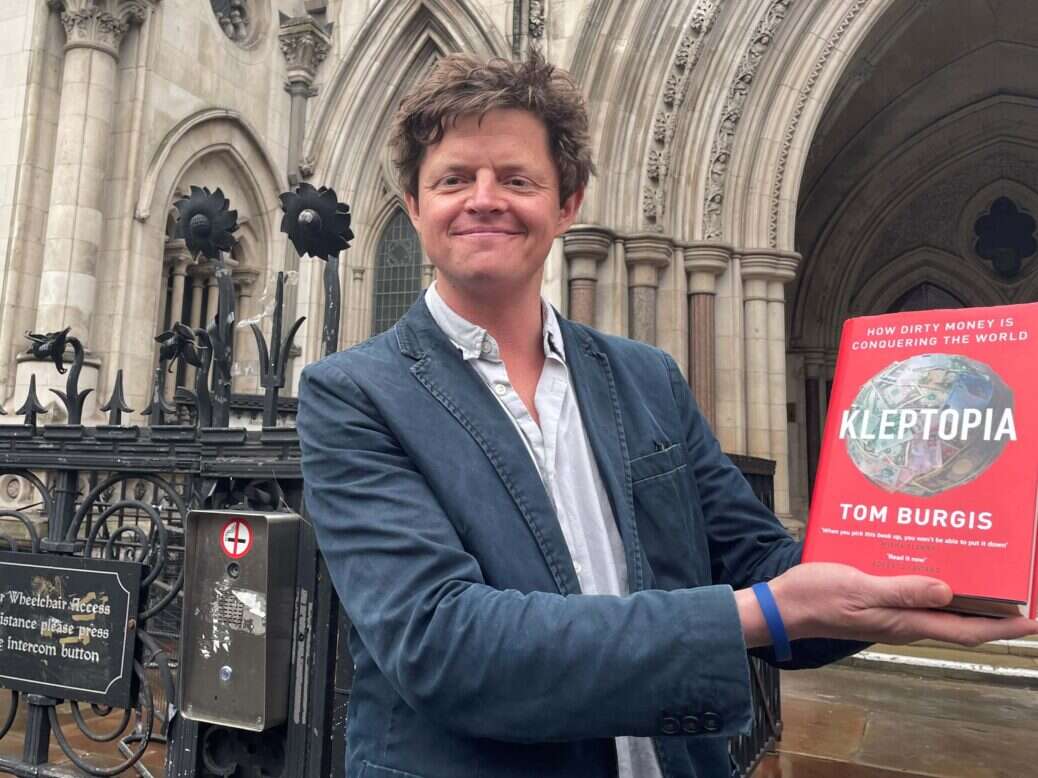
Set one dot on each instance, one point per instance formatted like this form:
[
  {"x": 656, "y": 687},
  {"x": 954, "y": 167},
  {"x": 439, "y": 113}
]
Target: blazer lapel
[
  {"x": 600, "y": 412},
  {"x": 440, "y": 368}
]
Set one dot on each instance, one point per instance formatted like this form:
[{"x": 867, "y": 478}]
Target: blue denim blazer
[{"x": 476, "y": 655}]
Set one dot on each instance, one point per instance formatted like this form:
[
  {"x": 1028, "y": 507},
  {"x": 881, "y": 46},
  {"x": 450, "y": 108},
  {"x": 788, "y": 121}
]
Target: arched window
[
  {"x": 925, "y": 297},
  {"x": 398, "y": 272}
]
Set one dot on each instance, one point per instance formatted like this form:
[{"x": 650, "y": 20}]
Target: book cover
[{"x": 929, "y": 461}]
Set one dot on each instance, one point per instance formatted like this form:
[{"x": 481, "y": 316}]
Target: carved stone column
[
  {"x": 195, "y": 316},
  {"x": 704, "y": 262},
  {"x": 305, "y": 45},
  {"x": 814, "y": 391},
  {"x": 585, "y": 246},
  {"x": 67, "y": 291},
  {"x": 94, "y": 30},
  {"x": 764, "y": 275},
  {"x": 646, "y": 254},
  {"x": 179, "y": 258}
]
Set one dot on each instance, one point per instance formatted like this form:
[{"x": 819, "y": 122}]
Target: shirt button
[
  {"x": 501, "y": 389},
  {"x": 485, "y": 348},
  {"x": 578, "y": 567},
  {"x": 670, "y": 725},
  {"x": 711, "y": 722}
]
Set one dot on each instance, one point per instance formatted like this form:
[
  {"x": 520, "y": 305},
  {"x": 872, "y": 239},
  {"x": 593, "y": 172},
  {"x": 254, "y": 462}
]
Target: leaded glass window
[{"x": 398, "y": 272}]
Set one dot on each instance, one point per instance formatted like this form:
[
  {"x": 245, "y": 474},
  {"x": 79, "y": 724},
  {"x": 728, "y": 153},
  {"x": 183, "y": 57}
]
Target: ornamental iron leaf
[
  {"x": 315, "y": 221},
  {"x": 178, "y": 343},
  {"x": 50, "y": 345},
  {"x": 206, "y": 223}
]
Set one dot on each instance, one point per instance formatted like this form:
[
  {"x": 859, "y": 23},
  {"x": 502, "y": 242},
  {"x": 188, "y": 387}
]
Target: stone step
[{"x": 1011, "y": 662}]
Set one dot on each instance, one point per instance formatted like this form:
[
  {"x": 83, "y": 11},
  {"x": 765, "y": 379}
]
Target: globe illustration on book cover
[{"x": 939, "y": 442}]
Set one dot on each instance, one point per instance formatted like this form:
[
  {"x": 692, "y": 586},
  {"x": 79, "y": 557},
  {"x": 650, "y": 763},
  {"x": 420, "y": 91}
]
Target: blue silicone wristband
[{"x": 770, "y": 609}]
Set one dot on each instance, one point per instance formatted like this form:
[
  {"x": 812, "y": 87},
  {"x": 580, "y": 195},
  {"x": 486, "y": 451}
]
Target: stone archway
[{"x": 925, "y": 129}]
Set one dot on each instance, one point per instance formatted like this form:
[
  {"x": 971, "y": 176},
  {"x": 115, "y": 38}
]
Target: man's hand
[{"x": 837, "y": 601}]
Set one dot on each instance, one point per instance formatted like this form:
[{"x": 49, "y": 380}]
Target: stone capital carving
[
  {"x": 305, "y": 45},
  {"x": 99, "y": 24},
  {"x": 585, "y": 246},
  {"x": 245, "y": 277},
  {"x": 768, "y": 265},
  {"x": 704, "y": 262},
  {"x": 176, "y": 253},
  {"x": 646, "y": 254}
]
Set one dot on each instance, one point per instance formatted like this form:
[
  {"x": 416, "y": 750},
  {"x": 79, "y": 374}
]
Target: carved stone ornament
[
  {"x": 673, "y": 95},
  {"x": 305, "y": 45},
  {"x": 738, "y": 91},
  {"x": 794, "y": 122},
  {"x": 536, "y": 23},
  {"x": 234, "y": 18},
  {"x": 99, "y": 24}
]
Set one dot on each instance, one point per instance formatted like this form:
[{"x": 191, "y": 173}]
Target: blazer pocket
[
  {"x": 371, "y": 770},
  {"x": 658, "y": 463}
]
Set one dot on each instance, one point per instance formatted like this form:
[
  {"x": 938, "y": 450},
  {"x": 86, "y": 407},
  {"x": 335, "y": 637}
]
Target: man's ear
[
  {"x": 568, "y": 211},
  {"x": 411, "y": 203}
]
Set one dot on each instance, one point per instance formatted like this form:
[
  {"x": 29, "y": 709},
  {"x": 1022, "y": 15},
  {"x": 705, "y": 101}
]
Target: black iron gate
[{"x": 121, "y": 492}]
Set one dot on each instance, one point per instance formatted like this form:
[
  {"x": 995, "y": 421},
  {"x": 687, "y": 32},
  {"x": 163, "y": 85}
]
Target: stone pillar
[
  {"x": 764, "y": 275},
  {"x": 646, "y": 254},
  {"x": 244, "y": 342},
  {"x": 194, "y": 317},
  {"x": 814, "y": 414},
  {"x": 212, "y": 298},
  {"x": 94, "y": 30},
  {"x": 585, "y": 246},
  {"x": 305, "y": 45},
  {"x": 704, "y": 262},
  {"x": 179, "y": 258}
]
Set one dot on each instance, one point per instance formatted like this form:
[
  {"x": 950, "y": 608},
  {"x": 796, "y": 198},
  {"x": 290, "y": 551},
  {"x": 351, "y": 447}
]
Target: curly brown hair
[{"x": 463, "y": 85}]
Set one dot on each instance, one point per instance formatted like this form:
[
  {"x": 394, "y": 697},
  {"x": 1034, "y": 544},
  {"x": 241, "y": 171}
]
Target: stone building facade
[{"x": 766, "y": 169}]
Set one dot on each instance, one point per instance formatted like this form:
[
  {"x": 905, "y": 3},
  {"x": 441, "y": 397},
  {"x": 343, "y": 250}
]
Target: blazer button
[
  {"x": 670, "y": 726},
  {"x": 711, "y": 722},
  {"x": 690, "y": 725}
]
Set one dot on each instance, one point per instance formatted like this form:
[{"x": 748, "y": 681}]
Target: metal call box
[{"x": 236, "y": 635}]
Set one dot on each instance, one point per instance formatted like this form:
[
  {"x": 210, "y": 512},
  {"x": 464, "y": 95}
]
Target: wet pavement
[{"x": 841, "y": 722}]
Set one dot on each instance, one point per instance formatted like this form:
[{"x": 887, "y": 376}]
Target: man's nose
[{"x": 485, "y": 194}]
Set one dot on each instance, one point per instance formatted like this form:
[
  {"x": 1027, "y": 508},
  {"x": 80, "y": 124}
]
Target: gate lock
[{"x": 236, "y": 635}]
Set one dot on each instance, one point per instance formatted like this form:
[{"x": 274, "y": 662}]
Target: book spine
[{"x": 850, "y": 326}]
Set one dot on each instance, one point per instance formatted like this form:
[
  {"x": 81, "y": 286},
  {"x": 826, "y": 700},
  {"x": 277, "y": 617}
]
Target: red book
[{"x": 929, "y": 461}]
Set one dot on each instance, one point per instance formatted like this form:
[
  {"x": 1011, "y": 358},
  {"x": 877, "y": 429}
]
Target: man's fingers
[
  {"x": 964, "y": 630},
  {"x": 908, "y": 591}
]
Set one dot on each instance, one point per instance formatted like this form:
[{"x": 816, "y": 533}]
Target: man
[{"x": 545, "y": 556}]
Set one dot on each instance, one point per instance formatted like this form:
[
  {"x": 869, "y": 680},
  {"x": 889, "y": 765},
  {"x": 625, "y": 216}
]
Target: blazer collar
[{"x": 440, "y": 368}]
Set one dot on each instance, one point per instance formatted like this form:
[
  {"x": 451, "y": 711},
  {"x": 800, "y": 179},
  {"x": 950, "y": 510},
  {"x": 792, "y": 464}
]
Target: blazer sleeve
[
  {"x": 486, "y": 662},
  {"x": 747, "y": 543}
]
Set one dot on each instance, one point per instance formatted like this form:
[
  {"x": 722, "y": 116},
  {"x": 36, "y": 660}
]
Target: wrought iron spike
[
  {"x": 203, "y": 399},
  {"x": 158, "y": 407},
  {"x": 116, "y": 405},
  {"x": 272, "y": 362},
  {"x": 221, "y": 333},
  {"x": 32, "y": 407}
]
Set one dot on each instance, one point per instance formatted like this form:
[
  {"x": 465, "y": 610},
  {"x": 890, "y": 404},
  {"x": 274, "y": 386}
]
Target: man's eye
[
  {"x": 518, "y": 182},
  {"x": 450, "y": 180}
]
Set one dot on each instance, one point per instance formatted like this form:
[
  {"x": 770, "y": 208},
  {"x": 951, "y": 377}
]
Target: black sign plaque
[{"x": 68, "y": 626}]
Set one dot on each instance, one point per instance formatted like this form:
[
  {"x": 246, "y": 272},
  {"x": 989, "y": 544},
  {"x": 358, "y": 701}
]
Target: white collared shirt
[{"x": 562, "y": 454}]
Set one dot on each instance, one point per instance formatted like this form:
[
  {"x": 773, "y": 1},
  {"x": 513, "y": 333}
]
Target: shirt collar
[{"x": 475, "y": 342}]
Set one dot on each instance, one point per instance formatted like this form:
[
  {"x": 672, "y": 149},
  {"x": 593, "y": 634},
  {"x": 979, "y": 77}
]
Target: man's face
[{"x": 488, "y": 205}]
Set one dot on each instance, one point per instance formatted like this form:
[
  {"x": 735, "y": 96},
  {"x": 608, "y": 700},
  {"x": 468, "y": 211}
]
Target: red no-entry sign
[{"x": 236, "y": 538}]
